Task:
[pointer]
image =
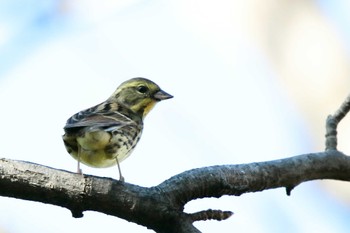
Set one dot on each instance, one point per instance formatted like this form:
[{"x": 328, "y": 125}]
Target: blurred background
[{"x": 253, "y": 81}]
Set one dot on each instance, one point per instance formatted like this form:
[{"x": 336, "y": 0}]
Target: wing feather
[{"x": 98, "y": 117}]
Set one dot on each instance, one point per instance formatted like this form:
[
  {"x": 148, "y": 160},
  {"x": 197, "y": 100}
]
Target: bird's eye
[{"x": 142, "y": 89}]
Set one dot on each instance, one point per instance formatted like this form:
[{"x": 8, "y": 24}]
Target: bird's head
[{"x": 139, "y": 95}]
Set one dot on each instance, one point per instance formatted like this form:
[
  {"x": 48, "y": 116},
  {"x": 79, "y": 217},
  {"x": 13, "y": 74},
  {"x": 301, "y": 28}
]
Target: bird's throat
[{"x": 148, "y": 108}]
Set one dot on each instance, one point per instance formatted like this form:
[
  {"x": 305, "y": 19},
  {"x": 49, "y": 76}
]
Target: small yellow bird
[{"x": 106, "y": 134}]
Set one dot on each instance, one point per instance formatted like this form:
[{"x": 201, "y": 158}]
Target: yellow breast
[
  {"x": 100, "y": 149},
  {"x": 95, "y": 140}
]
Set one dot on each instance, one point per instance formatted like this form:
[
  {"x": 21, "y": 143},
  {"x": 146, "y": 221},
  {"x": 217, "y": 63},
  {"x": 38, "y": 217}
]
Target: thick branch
[
  {"x": 235, "y": 180},
  {"x": 161, "y": 207}
]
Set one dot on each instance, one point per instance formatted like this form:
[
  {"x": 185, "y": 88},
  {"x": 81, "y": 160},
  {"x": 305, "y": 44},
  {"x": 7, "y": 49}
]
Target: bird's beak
[{"x": 162, "y": 95}]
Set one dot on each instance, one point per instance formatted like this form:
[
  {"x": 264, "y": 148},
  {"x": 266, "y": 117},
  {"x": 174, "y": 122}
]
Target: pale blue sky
[{"x": 228, "y": 107}]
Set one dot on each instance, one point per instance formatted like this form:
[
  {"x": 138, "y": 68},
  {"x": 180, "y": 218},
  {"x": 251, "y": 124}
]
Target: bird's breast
[
  {"x": 101, "y": 148},
  {"x": 96, "y": 140}
]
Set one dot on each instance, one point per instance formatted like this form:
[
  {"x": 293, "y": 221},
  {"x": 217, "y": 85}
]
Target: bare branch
[
  {"x": 211, "y": 215},
  {"x": 161, "y": 207},
  {"x": 343, "y": 110},
  {"x": 332, "y": 123}
]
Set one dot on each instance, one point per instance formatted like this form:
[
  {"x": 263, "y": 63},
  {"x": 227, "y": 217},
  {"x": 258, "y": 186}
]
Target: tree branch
[
  {"x": 161, "y": 207},
  {"x": 332, "y": 124}
]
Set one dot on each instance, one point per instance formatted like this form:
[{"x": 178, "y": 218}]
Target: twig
[
  {"x": 332, "y": 123},
  {"x": 211, "y": 215}
]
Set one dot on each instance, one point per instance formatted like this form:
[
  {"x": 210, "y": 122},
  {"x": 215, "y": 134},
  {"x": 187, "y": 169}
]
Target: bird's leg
[
  {"x": 79, "y": 171},
  {"x": 121, "y": 177}
]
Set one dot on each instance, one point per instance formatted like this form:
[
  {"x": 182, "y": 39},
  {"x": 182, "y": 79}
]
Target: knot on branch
[
  {"x": 289, "y": 189},
  {"x": 210, "y": 215},
  {"x": 77, "y": 213}
]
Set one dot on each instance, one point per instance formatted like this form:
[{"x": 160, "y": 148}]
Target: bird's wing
[{"x": 96, "y": 118}]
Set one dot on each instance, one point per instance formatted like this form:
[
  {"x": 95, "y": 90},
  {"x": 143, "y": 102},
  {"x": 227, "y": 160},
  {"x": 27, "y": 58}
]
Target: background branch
[{"x": 332, "y": 124}]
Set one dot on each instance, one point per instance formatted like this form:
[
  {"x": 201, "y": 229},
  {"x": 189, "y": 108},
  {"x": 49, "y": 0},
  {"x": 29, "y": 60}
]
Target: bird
[{"x": 105, "y": 134}]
